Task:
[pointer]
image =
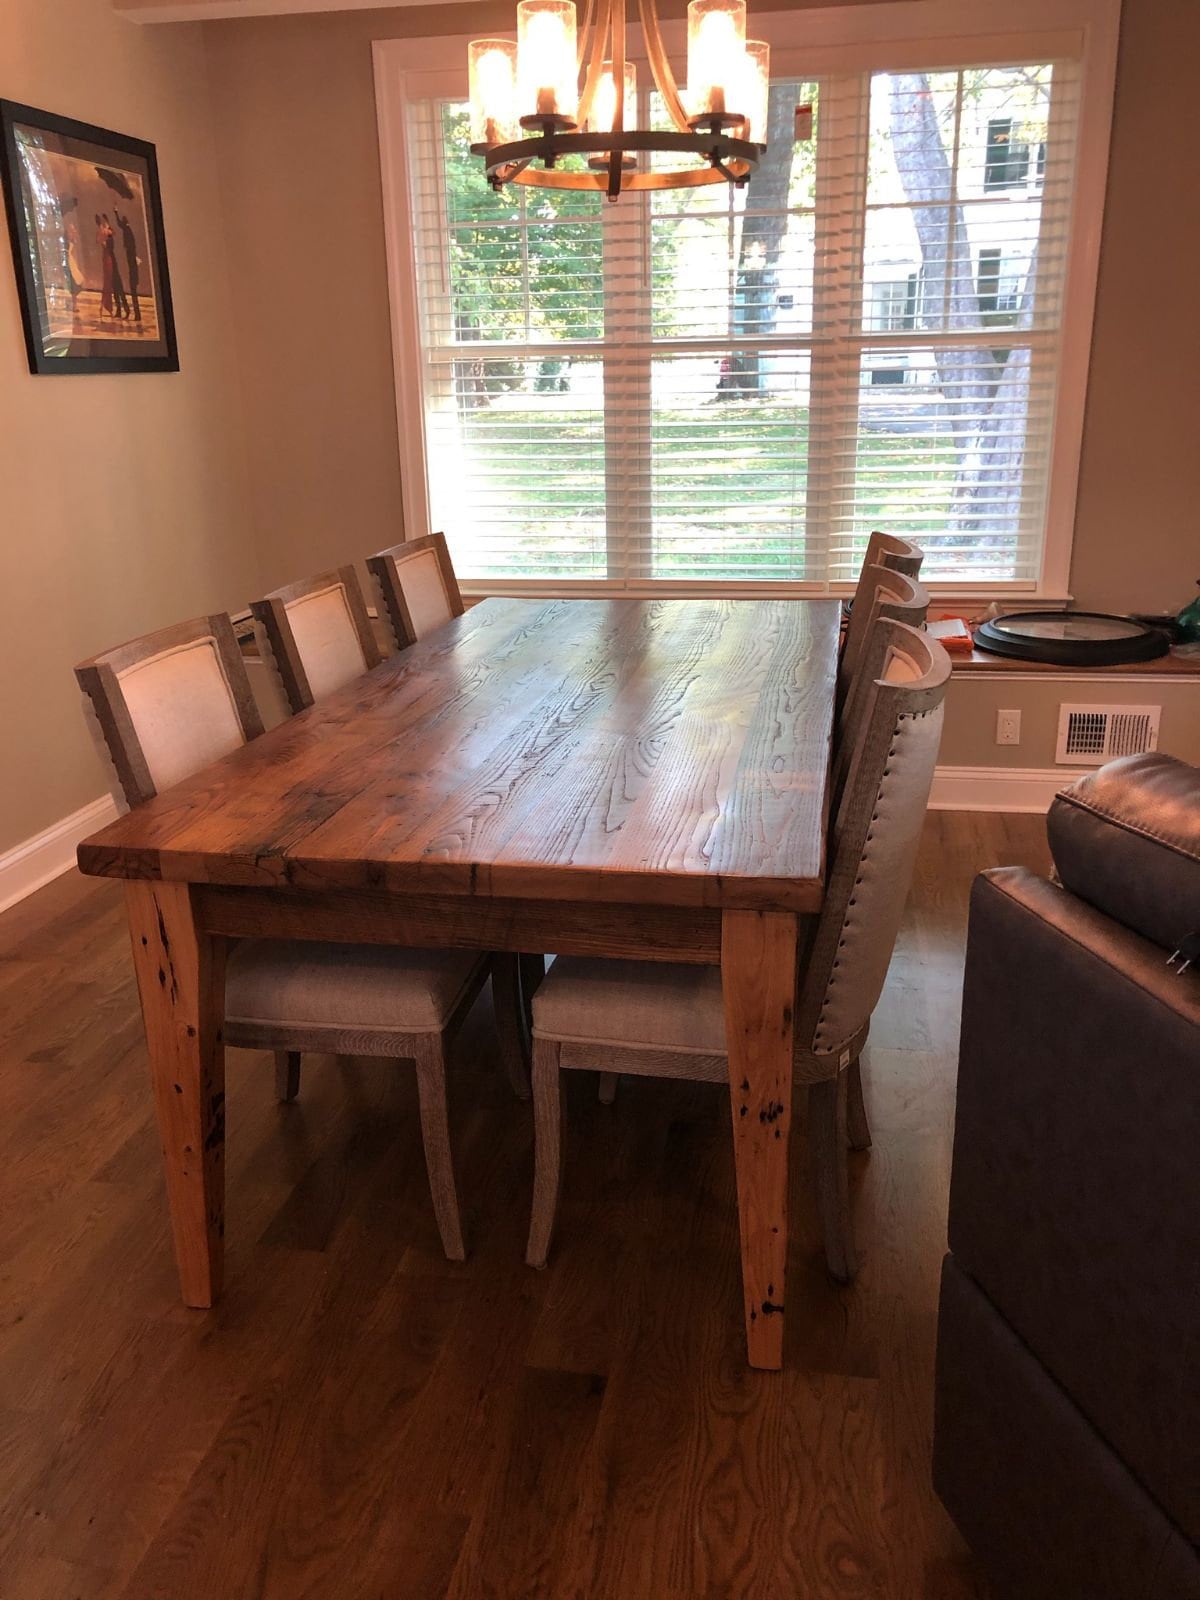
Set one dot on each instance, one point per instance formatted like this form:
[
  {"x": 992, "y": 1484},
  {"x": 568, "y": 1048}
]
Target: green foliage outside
[{"x": 765, "y": 454}]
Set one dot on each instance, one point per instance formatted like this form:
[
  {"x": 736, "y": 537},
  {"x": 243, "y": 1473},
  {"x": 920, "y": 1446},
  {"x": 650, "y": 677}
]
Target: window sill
[
  {"x": 948, "y": 598},
  {"x": 1180, "y": 663}
]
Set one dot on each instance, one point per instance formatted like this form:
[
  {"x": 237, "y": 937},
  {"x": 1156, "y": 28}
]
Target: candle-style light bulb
[
  {"x": 492, "y": 67},
  {"x": 603, "y": 116},
  {"x": 716, "y": 51},
  {"x": 547, "y": 68},
  {"x": 754, "y": 94}
]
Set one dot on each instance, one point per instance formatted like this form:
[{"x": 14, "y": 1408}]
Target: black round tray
[{"x": 1071, "y": 638}]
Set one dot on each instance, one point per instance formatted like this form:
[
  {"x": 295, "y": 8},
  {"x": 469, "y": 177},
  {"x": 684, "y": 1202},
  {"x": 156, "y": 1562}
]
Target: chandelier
[{"x": 528, "y": 105}]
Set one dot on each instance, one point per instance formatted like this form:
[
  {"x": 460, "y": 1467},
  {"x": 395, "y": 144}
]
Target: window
[
  {"x": 894, "y": 304},
  {"x": 999, "y": 287},
  {"x": 718, "y": 385},
  {"x": 1006, "y": 165}
]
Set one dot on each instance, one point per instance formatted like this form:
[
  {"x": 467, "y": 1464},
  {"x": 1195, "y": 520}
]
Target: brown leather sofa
[{"x": 1067, "y": 1428}]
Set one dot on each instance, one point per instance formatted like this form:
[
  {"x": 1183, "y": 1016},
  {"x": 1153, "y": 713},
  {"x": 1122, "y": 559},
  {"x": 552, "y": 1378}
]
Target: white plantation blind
[{"x": 739, "y": 385}]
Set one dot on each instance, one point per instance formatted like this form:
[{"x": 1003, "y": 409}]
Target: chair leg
[
  {"x": 533, "y": 970},
  {"x": 287, "y": 1074},
  {"x": 858, "y": 1129},
  {"x": 608, "y": 1088},
  {"x": 430, "y": 1059},
  {"x": 511, "y": 1030},
  {"x": 547, "y": 1149},
  {"x": 827, "y": 1141}
]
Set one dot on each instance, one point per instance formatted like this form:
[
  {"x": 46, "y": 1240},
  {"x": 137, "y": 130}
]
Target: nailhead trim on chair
[{"x": 820, "y": 1046}]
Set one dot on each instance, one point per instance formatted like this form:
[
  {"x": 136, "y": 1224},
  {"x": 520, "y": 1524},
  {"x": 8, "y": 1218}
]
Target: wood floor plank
[{"x": 361, "y": 1417}]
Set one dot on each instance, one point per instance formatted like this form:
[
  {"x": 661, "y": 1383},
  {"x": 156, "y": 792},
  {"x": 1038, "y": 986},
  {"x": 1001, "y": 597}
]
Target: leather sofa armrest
[{"x": 1075, "y": 1193}]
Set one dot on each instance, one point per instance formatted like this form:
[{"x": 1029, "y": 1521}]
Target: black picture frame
[{"x": 93, "y": 281}]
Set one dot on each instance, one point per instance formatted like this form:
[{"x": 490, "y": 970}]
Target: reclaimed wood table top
[{"x": 666, "y": 752}]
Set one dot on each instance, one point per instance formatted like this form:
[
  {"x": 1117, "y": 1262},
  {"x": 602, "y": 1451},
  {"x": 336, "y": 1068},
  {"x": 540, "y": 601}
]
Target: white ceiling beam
[{"x": 210, "y": 10}]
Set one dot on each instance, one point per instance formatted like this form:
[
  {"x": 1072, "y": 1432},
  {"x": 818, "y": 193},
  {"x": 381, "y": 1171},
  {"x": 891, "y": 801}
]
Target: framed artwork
[{"x": 85, "y": 218}]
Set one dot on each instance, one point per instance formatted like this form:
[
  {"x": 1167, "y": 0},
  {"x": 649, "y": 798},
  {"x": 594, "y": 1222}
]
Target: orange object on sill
[{"x": 952, "y": 633}]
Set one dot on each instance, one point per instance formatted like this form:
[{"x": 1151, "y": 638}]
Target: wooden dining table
[{"x": 604, "y": 777}]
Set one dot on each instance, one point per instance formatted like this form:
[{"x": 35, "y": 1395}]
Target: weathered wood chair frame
[
  {"x": 888, "y": 550},
  {"x": 272, "y": 615},
  {"x": 885, "y": 596},
  {"x": 100, "y": 680},
  {"x": 387, "y": 567},
  {"x": 910, "y": 689},
  {"x": 881, "y": 592}
]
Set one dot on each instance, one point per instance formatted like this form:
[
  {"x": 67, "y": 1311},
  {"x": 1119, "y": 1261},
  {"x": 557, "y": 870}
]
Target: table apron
[{"x": 563, "y": 927}]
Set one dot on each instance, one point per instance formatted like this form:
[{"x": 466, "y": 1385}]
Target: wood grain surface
[
  {"x": 181, "y": 979},
  {"x": 669, "y": 752},
  {"x": 758, "y": 976},
  {"x": 361, "y": 1418}
]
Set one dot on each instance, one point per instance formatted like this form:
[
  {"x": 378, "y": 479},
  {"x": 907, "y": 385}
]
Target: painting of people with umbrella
[{"x": 85, "y": 217}]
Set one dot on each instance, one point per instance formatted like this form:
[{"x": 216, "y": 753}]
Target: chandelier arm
[
  {"x": 739, "y": 181},
  {"x": 597, "y": 182},
  {"x": 660, "y": 64},
  {"x": 582, "y": 36},
  {"x": 602, "y": 25}
]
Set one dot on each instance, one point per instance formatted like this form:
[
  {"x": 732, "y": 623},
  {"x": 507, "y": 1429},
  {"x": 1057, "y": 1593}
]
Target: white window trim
[{"x": 895, "y": 34}]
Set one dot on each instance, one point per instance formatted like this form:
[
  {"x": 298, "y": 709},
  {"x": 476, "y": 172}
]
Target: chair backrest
[
  {"x": 167, "y": 704},
  {"x": 872, "y": 848},
  {"x": 417, "y": 586},
  {"x": 901, "y": 555},
  {"x": 881, "y": 592},
  {"x": 318, "y": 634},
  {"x": 888, "y": 596}
]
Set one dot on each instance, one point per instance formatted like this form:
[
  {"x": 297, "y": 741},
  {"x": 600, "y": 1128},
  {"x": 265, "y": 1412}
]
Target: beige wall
[
  {"x": 123, "y": 497},
  {"x": 969, "y": 735},
  {"x": 1137, "y": 528}
]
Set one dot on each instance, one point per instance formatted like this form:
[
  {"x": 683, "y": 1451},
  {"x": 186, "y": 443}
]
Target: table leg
[
  {"x": 758, "y": 978},
  {"x": 181, "y": 980}
]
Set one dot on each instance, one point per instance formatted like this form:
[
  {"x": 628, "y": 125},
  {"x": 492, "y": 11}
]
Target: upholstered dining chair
[
  {"x": 887, "y": 550},
  {"x": 884, "y": 595},
  {"x": 317, "y": 634},
  {"x": 660, "y": 1020},
  {"x": 419, "y": 591},
  {"x": 881, "y": 592},
  {"x": 417, "y": 585},
  {"x": 164, "y": 706}
]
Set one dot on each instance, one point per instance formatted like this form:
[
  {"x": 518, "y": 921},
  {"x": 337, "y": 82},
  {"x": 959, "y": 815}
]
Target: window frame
[{"x": 895, "y": 35}]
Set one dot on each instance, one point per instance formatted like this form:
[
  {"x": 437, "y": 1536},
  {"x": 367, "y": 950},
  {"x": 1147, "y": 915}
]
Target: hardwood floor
[{"x": 361, "y": 1418}]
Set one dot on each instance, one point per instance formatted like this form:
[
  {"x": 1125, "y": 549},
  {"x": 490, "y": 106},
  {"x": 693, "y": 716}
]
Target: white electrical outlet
[{"x": 1008, "y": 727}]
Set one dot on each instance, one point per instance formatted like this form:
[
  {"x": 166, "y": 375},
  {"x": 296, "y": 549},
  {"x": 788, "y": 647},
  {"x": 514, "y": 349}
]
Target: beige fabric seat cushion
[
  {"x": 323, "y": 627},
  {"x": 421, "y": 579},
  {"x": 372, "y": 988},
  {"x": 182, "y": 709},
  {"x": 648, "y": 1004}
]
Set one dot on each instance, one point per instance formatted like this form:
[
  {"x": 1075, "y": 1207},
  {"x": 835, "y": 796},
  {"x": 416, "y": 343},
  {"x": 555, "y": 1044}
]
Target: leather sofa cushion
[
  {"x": 1075, "y": 1190},
  {"x": 1048, "y": 1508},
  {"x": 1126, "y": 838}
]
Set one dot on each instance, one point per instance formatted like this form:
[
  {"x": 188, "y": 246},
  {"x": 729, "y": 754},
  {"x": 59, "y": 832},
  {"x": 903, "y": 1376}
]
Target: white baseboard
[
  {"x": 33, "y": 862},
  {"x": 998, "y": 788}
]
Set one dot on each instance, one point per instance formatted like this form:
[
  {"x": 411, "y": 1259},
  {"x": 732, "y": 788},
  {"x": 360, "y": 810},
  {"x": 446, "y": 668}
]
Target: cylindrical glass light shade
[
  {"x": 716, "y": 48},
  {"x": 492, "y": 64},
  {"x": 547, "y": 68},
  {"x": 602, "y": 116},
  {"x": 754, "y": 97}
]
